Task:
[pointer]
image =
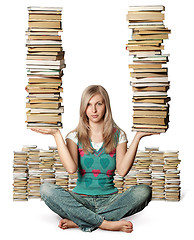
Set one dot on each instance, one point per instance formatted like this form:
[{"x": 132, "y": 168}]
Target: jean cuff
[{"x": 91, "y": 229}]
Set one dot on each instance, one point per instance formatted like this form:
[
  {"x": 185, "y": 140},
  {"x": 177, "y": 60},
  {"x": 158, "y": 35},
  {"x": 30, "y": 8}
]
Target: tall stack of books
[
  {"x": 45, "y": 63},
  {"x": 157, "y": 174},
  {"x": 172, "y": 176},
  {"x": 143, "y": 168},
  {"x": 20, "y": 176},
  {"x": 149, "y": 78},
  {"x": 61, "y": 175},
  {"x": 47, "y": 161},
  {"x": 34, "y": 171}
]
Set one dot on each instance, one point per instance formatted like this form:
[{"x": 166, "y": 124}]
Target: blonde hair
[{"x": 109, "y": 135}]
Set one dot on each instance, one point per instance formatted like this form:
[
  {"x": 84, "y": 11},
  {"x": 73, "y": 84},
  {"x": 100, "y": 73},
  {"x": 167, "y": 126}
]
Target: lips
[{"x": 94, "y": 116}]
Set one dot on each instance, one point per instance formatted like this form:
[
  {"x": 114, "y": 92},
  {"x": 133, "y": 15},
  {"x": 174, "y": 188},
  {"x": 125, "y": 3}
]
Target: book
[
  {"x": 145, "y": 16},
  {"x": 147, "y": 8},
  {"x": 149, "y": 77},
  {"x": 157, "y": 120}
]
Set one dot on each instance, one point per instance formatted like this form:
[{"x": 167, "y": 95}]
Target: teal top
[{"x": 96, "y": 171}]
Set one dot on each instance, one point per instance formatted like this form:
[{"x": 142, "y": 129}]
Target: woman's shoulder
[
  {"x": 73, "y": 136},
  {"x": 121, "y": 135}
]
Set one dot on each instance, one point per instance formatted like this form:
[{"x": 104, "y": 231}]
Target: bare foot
[
  {"x": 66, "y": 223},
  {"x": 122, "y": 225}
]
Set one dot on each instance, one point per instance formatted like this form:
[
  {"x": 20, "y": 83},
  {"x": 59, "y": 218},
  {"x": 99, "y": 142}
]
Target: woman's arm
[
  {"x": 124, "y": 157},
  {"x": 68, "y": 153}
]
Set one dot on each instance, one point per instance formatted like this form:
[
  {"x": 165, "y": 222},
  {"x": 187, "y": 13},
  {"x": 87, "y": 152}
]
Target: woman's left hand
[{"x": 143, "y": 134}]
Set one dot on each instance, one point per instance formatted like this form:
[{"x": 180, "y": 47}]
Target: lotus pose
[{"x": 96, "y": 148}]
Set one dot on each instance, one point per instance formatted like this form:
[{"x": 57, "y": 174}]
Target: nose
[{"x": 94, "y": 108}]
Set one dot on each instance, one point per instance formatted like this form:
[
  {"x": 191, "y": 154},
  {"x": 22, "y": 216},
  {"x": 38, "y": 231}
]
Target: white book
[
  {"x": 146, "y": 26},
  {"x": 46, "y": 72},
  {"x": 41, "y": 68},
  {"x": 149, "y": 84},
  {"x": 144, "y": 53},
  {"x": 40, "y": 110},
  {"x": 38, "y": 8},
  {"x": 43, "y": 42},
  {"x": 146, "y": 23},
  {"x": 53, "y": 33},
  {"x": 44, "y": 30},
  {"x": 20, "y": 152},
  {"x": 42, "y": 96},
  {"x": 136, "y": 94},
  {"x": 45, "y": 62},
  {"x": 147, "y": 8},
  {"x": 149, "y": 105},
  {"x": 160, "y": 79},
  {"x": 150, "y": 58}
]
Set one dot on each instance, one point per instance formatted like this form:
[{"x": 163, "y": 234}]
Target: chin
[{"x": 96, "y": 120}]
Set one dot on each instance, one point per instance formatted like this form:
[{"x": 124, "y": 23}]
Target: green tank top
[{"x": 96, "y": 171}]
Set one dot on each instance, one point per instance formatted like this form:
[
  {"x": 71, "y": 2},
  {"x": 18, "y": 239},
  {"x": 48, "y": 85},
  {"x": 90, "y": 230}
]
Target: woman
[{"x": 95, "y": 148}]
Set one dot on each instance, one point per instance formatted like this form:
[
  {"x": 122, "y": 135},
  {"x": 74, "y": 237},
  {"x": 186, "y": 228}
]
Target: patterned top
[{"x": 96, "y": 171}]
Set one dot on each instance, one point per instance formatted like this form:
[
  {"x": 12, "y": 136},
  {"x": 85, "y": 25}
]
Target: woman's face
[{"x": 96, "y": 109}]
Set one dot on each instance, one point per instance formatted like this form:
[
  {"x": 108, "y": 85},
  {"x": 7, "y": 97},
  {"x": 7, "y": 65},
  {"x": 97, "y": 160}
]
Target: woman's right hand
[{"x": 51, "y": 131}]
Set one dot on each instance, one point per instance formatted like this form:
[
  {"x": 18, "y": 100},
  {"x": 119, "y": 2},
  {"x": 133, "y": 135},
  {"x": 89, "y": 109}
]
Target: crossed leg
[{"x": 75, "y": 213}]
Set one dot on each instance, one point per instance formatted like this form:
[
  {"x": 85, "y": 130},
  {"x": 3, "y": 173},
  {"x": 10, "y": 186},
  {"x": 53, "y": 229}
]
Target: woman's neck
[{"x": 96, "y": 131}]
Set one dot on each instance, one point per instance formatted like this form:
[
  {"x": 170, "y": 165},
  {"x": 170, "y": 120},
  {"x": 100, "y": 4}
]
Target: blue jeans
[{"x": 88, "y": 212}]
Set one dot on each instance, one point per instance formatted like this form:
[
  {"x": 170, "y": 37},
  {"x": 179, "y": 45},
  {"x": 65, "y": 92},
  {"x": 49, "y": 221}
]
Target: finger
[
  {"x": 131, "y": 224},
  {"x": 60, "y": 223},
  {"x": 40, "y": 130},
  {"x": 64, "y": 226},
  {"x": 36, "y": 130},
  {"x": 130, "y": 228}
]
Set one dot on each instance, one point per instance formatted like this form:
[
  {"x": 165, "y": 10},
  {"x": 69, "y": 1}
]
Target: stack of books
[
  {"x": 157, "y": 174},
  {"x": 172, "y": 176},
  {"x": 45, "y": 63},
  {"x": 72, "y": 181},
  {"x": 20, "y": 176},
  {"x": 118, "y": 182},
  {"x": 47, "y": 161},
  {"x": 149, "y": 78},
  {"x": 158, "y": 169},
  {"x": 34, "y": 171},
  {"x": 143, "y": 168},
  {"x": 61, "y": 175}
]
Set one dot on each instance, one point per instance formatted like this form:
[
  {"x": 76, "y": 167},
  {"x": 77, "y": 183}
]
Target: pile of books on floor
[
  {"x": 143, "y": 168},
  {"x": 159, "y": 170},
  {"x": 157, "y": 173},
  {"x": 47, "y": 161},
  {"x": 130, "y": 179},
  {"x": 172, "y": 176},
  {"x": 20, "y": 176},
  {"x": 72, "y": 181},
  {"x": 61, "y": 175},
  {"x": 34, "y": 171},
  {"x": 149, "y": 79},
  {"x": 118, "y": 182},
  {"x": 33, "y": 166},
  {"x": 45, "y": 63}
]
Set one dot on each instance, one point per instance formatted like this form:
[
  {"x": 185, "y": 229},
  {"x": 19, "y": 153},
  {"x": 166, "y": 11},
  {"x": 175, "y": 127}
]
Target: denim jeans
[{"x": 88, "y": 212}]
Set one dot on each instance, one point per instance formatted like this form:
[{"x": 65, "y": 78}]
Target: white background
[{"x": 94, "y": 38}]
